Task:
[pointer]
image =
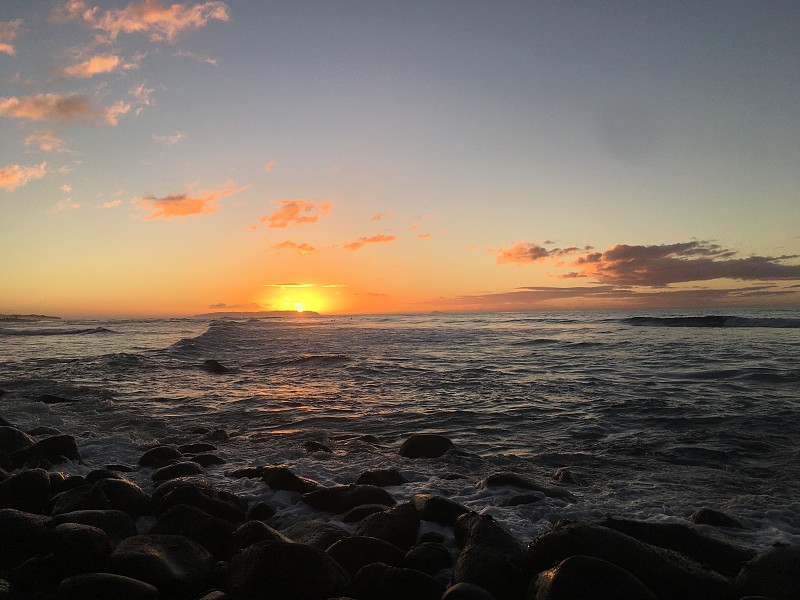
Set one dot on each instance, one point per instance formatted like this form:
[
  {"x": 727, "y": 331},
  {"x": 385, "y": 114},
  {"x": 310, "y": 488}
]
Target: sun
[{"x": 298, "y": 306}]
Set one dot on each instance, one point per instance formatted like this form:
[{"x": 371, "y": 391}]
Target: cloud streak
[
  {"x": 96, "y": 65},
  {"x": 303, "y": 248},
  {"x": 182, "y": 205},
  {"x": 295, "y": 212},
  {"x": 528, "y": 252},
  {"x": 66, "y": 109},
  {"x": 14, "y": 176},
  {"x": 8, "y": 33},
  {"x": 375, "y": 239},
  {"x": 47, "y": 140}
]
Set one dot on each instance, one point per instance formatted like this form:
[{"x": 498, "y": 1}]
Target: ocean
[{"x": 654, "y": 414}]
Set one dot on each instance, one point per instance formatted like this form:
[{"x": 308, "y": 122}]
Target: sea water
[{"x": 654, "y": 414}]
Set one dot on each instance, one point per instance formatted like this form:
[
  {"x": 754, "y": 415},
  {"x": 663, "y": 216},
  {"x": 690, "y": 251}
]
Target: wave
[
  {"x": 51, "y": 332},
  {"x": 714, "y": 321}
]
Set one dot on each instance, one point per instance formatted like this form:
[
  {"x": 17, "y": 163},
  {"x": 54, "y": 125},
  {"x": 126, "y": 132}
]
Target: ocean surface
[{"x": 655, "y": 414}]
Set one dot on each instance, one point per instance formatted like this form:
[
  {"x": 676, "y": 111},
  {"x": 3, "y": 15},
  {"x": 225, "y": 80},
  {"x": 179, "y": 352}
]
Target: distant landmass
[
  {"x": 260, "y": 314},
  {"x": 28, "y": 318}
]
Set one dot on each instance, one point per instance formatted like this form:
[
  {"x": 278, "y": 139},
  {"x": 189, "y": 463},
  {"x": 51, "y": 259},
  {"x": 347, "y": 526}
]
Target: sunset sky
[{"x": 163, "y": 159}]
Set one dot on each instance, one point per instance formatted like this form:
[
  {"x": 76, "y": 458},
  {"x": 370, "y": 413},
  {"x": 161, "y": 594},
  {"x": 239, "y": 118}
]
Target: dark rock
[
  {"x": 217, "y": 503},
  {"x": 213, "y": 366},
  {"x": 219, "y": 435},
  {"x": 312, "y": 446},
  {"x": 28, "y": 491},
  {"x": 81, "y": 548},
  {"x": 176, "y": 565},
  {"x": 399, "y": 526},
  {"x": 53, "y": 399},
  {"x": 580, "y": 577},
  {"x": 12, "y": 439},
  {"x": 22, "y": 535},
  {"x": 126, "y": 496},
  {"x": 44, "y": 431},
  {"x": 381, "y": 478},
  {"x": 158, "y": 456},
  {"x": 68, "y": 483},
  {"x": 565, "y": 475},
  {"x": 428, "y": 557},
  {"x": 213, "y": 533},
  {"x": 281, "y": 478},
  {"x": 774, "y": 573},
  {"x": 260, "y": 511},
  {"x": 316, "y": 533},
  {"x": 5, "y": 464},
  {"x": 341, "y": 498},
  {"x": 55, "y": 449},
  {"x": 669, "y": 575},
  {"x": 252, "y": 532},
  {"x": 360, "y": 512},
  {"x": 175, "y": 470},
  {"x": 378, "y": 581},
  {"x": 120, "y": 468},
  {"x": 285, "y": 571},
  {"x": 437, "y": 509},
  {"x": 85, "y": 497},
  {"x": 116, "y": 524},
  {"x": 466, "y": 591},
  {"x": 724, "y": 558},
  {"x": 215, "y": 595},
  {"x": 431, "y": 536},
  {"x": 518, "y": 481},
  {"x": 37, "y": 577},
  {"x": 425, "y": 445},
  {"x": 207, "y": 460},
  {"x": 355, "y": 552},
  {"x": 105, "y": 586},
  {"x": 198, "y": 448},
  {"x": 709, "y": 516},
  {"x": 520, "y": 499},
  {"x": 98, "y": 474}
]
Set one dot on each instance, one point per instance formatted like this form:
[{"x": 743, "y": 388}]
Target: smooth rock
[
  {"x": 213, "y": 533},
  {"x": 201, "y": 494},
  {"x": 281, "y": 478},
  {"x": 158, "y": 456},
  {"x": 105, "y": 586},
  {"x": 580, "y": 577},
  {"x": 428, "y": 557},
  {"x": 425, "y": 445},
  {"x": 28, "y": 491},
  {"x": 22, "y": 535},
  {"x": 339, "y": 499},
  {"x": 81, "y": 548},
  {"x": 316, "y": 533},
  {"x": 312, "y": 446},
  {"x": 381, "y": 478},
  {"x": 252, "y": 532},
  {"x": 466, "y": 591},
  {"x": 518, "y": 481},
  {"x": 378, "y": 581},
  {"x": 399, "y": 526},
  {"x": 116, "y": 524},
  {"x": 774, "y": 573},
  {"x": 84, "y": 497},
  {"x": 12, "y": 439},
  {"x": 355, "y": 552},
  {"x": 175, "y": 470},
  {"x": 437, "y": 508},
  {"x": 261, "y": 511},
  {"x": 213, "y": 366},
  {"x": 360, "y": 512},
  {"x": 709, "y": 516},
  {"x": 55, "y": 449},
  {"x": 126, "y": 496},
  {"x": 207, "y": 460}
]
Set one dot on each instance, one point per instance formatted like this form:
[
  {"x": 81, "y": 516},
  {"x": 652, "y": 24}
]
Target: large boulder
[
  {"x": 178, "y": 469},
  {"x": 22, "y": 535},
  {"x": 105, "y": 586},
  {"x": 117, "y": 524},
  {"x": 201, "y": 494},
  {"x": 84, "y": 497},
  {"x": 213, "y": 533},
  {"x": 316, "y": 533},
  {"x": 252, "y": 532},
  {"x": 425, "y": 445},
  {"x": 28, "y": 491},
  {"x": 774, "y": 573},
  {"x": 125, "y": 495},
  {"x": 80, "y": 548},
  {"x": 437, "y": 509},
  {"x": 285, "y": 571},
  {"x": 716, "y": 518},
  {"x": 581, "y": 577},
  {"x": 381, "y": 478},
  {"x": 55, "y": 449},
  {"x": 356, "y": 552},
  {"x": 12, "y": 439},
  {"x": 341, "y": 498},
  {"x": 428, "y": 557},
  {"x": 515, "y": 480},
  {"x": 159, "y": 456},
  {"x": 378, "y": 581},
  {"x": 399, "y": 526}
]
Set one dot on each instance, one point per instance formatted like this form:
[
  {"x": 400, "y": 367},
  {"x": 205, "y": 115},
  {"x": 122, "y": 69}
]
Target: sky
[{"x": 343, "y": 156}]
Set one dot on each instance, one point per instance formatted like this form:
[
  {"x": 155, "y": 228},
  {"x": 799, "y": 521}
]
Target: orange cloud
[
  {"x": 182, "y": 205},
  {"x": 9, "y": 31},
  {"x": 269, "y": 165},
  {"x": 423, "y": 236},
  {"x": 14, "y": 176},
  {"x": 375, "y": 239},
  {"x": 47, "y": 140},
  {"x": 68, "y": 109},
  {"x": 96, "y": 65},
  {"x": 378, "y": 216},
  {"x": 169, "y": 140},
  {"x": 299, "y": 248},
  {"x": 149, "y": 17},
  {"x": 295, "y": 211},
  {"x": 527, "y": 252}
]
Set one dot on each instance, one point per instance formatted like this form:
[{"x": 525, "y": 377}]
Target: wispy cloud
[
  {"x": 242, "y": 306},
  {"x": 149, "y": 17},
  {"x": 193, "y": 55},
  {"x": 378, "y": 217},
  {"x": 47, "y": 140},
  {"x": 96, "y": 65},
  {"x": 66, "y": 109},
  {"x": 169, "y": 140},
  {"x": 8, "y": 32},
  {"x": 299, "y": 248},
  {"x": 111, "y": 203},
  {"x": 527, "y": 252},
  {"x": 375, "y": 239},
  {"x": 289, "y": 285},
  {"x": 269, "y": 165},
  {"x": 14, "y": 176},
  {"x": 295, "y": 211},
  {"x": 183, "y": 205}
]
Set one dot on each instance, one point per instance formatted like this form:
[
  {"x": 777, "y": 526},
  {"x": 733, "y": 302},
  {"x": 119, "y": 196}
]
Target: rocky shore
[{"x": 101, "y": 536}]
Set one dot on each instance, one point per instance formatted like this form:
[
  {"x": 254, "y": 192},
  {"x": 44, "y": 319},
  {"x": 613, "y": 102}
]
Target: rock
[
  {"x": 126, "y": 496},
  {"x": 28, "y": 491},
  {"x": 669, "y": 575},
  {"x": 355, "y": 552},
  {"x": 378, "y": 581},
  {"x": 709, "y": 516},
  {"x": 428, "y": 557},
  {"x": 399, "y": 526},
  {"x": 381, "y": 478},
  {"x": 201, "y": 494},
  {"x": 565, "y": 475},
  {"x": 12, "y": 439},
  {"x": 116, "y": 524},
  {"x": 261, "y": 511},
  {"x": 55, "y": 449},
  {"x": 53, "y": 399},
  {"x": 252, "y": 532},
  {"x": 518, "y": 481},
  {"x": 432, "y": 536},
  {"x": 724, "y": 558},
  {"x": 316, "y": 533},
  {"x": 281, "y": 478},
  {"x": 285, "y": 571},
  {"x": 105, "y": 586},
  {"x": 120, "y": 468},
  {"x": 96, "y": 475},
  {"x": 213, "y": 533},
  {"x": 174, "y": 564},
  {"x": 84, "y": 497},
  {"x": 207, "y": 460},
  {"x": 175, "y": 470},
  {"x": 774, "y": 573},
  {"x": 213, "y": 366},
  {"x": 425, "y": 445},
  {"x": 81, "y": 548},
  {"x": 22, "y": 535},
  {"x": 466, "y": 591},
  {"x": 339, "y": 499},
  {"x": 520, "y": 499},
  {"x": 437, "y": 509},
  {"x": 197, "y": 448},
  {"x": 360, "y": 512},
  {"x": 312, "y": 446},
  {"x": 159, "y": 456},
  {"x": 580, "y": 577}
]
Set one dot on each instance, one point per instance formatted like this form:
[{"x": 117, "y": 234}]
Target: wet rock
[
  {"x": 207, "y": 460},
  {"x": 312, "y": 446},
  {"x": 565, "y": 475},
  {"x": 213, "y": 533},
  {"x": 158, "y": 456},
  {"x": 316, "y": 533},
  {"x": 126, "y": 496},
  {"x": 53, "y": 399},
  {"x": 120, "y": 468},
  {"x": 97, "y": 474},
  {"x": 196, "y": 448},
  {"x": 116, "y": 524},
  {"x": 285, "y": 571},
  {"x": 260, "y": 511},
  {"x": 174, "y": 564},
  {"x": 381, "y": 478},
  {"x": 201, "y": 494},
  {"x": 213, "y": 366},
  {"x": 518, "y": 481},
  {"x": 84, "y": 497},
  {"x": 520, "y": 499},
  {"x": 425, "y": 445},
  {"x": 175, "y": 470},
  {"x": 428, "y": 557},
  {"x": 437, "y": 509},
  {"x": 724, "y": 558},
  {"x": 252, "y": 532},
  {"x": 22, "y": 535},
  {"x": 28, "y": 491},
  {"x": 774, "y": 573},
  {"x": 44, "y": 431},
  {"x": 669, "y": 575},
  {"x": 281, "y": 478},
  {"x": 580, "y": 577},
  {"x": 55, "y": 449},
  {"x": 466, "y": 591},
  {"x": 399, "y": 526},
  {"x": 12, "y": 439},
  {"x": 339, "y": 499},
  {"x": 5, "y": 464},
  {"x": 215, "y": 595},
  {"x": 431, "y": 536},
  {"x": 360, "y": 512},
  {"x": 81, "y": 548},
  {"x": 104, "y": 586},
  {"x": 709, "y": 516},
  {"x": 355, "y": 552},
  {"x": 378, "y": 581}
]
